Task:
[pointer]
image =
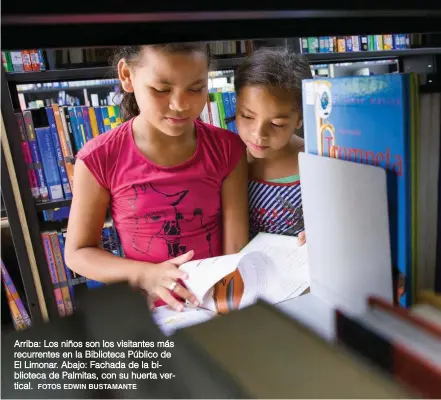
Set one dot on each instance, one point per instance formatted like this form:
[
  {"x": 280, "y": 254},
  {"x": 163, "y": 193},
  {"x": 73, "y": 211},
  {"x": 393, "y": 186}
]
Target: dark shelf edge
[
  {"x": 371, "y": 55},
  {"x": 3, "y": 213},
  {"x": 68, "y": 74},
  {"x": 52, "y": 204}
]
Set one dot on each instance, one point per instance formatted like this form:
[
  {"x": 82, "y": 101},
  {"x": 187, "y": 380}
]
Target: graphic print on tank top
[
  {"x": 171, "y": 220},
  {"x": 275, "y": 208}
]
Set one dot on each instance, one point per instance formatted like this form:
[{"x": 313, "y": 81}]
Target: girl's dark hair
[
  {"x": 132, "y": 54},
  {"x": 274, "y": 67}
]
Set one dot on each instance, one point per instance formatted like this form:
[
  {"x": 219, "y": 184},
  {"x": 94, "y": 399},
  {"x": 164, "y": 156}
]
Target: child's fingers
[
  {"x": 183, "y": 258},
  {"x": 301, "y": 238},
  {"x": 166, "y": 296},
  {"x": 175, "y": 274},
  {"x": 185, "y": 294}
]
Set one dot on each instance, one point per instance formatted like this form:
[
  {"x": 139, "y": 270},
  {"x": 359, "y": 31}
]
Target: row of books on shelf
[
  {"x": 343, "y": 44},
  {"x": 52, "y": 136},
  {"x": 50, "y": 139},
  {"x": 64, "y": 280},
  {"x": 385, "y": 121},
  {"x": 23, "y": 61},
  {"x": 50, "y": 59}
]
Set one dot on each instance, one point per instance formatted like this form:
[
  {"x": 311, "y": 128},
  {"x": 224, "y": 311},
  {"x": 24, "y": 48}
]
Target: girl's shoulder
[
  {"x": 221, "y": 147},
  {"x": 107, "y": 142}
]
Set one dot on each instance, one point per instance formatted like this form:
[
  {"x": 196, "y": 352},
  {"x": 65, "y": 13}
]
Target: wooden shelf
[{"x": 50, "y": 205}]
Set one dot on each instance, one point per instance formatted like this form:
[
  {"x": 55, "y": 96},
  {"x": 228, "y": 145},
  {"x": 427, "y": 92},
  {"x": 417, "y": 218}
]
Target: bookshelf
[{"x": 119, "y": 31}]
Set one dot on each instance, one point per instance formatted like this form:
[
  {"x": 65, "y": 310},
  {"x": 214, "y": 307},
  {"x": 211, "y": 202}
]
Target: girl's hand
[
  {"x": 159, "y": 279},
  {"x": 301, "y": 238}
]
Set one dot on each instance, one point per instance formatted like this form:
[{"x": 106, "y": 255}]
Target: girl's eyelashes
[
  {"x": 160, "y": 90},
  {"x": 245, "y": 116},
  {"x": 197, "y": 90},
  {"x": 277, "y": 126}
]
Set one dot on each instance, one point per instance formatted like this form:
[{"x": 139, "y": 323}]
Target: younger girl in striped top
[{"x": 269, "y": 121}]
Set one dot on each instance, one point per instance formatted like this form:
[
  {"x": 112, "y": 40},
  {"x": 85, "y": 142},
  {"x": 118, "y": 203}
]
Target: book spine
[
  {"x": 69, "y": 276},
  {"x": 87, "y": 126},
  {"x": 49, "y": 161},
  {"x": 93, "y": 122},
  {"x": 304, "y": 45},
  {"x": 59, "y": 154},
  {"x": 106, "y": 119},
  {"x": 233, "y": 109},
  {"x": 15, "y": 296},
  {"x": 35, "y": 61},
  {"x": 80, "y": 125},
  {"x": 402, "y": 362},
  {"x": 99, "y": 119},
  {"x": 59, "y": 264},
  {"x": 228, "y": 110},
  {"x": 36, "y": 158},
  {"x": 53, "y": 273},
  {"x": 17, "y": 61},
  {"x": 26, "y": 57},
  {"x": 65, "y": 145},
  {"x": 77, "y": 138},
  {"x": 364, "y": 43},
  {"x": 27, "y": 157},
  {"x": 17, "y": 318}
]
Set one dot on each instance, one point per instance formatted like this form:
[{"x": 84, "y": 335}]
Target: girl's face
[
  {"x": 266, "y": 119},
  {"x": 170, "y": 88}
]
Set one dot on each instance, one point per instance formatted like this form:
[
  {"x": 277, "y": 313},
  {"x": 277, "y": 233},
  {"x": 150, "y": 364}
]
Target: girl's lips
[
  {"x": 177, "y": 121},
  {"x": 256, "y": 147}
]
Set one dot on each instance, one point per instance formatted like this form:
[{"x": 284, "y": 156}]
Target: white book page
[
  {"x": 273, "y": 277},
  {"x": 204, "y": 274}
]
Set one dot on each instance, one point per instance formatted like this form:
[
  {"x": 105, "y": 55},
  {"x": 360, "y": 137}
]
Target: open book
[{"x": 271, "y": 267}]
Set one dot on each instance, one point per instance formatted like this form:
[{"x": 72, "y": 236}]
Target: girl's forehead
[{"x": 266, "y": 97}]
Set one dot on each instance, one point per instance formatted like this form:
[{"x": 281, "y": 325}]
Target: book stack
[{"x": 220, "y": 109}]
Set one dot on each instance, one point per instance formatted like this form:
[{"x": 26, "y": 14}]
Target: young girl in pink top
[{"x": 176, "y": 187}]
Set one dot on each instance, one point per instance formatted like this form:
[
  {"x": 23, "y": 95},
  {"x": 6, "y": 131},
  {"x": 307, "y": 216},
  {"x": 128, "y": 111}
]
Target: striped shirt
[{"x": 275, "y": 207}]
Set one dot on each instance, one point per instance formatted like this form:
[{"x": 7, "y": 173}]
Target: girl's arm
[
  {"x": 83, "y": 255},
  {"x": 235, "y": 208}
]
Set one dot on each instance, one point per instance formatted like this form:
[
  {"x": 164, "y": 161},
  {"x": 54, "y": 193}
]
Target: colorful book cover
[
  {"x": 371, "y": 42},
  {"x": 50, "y": 164},
  {"x": 59, "y": 154},
  {"x": 70, "y": 132},
  {"x": 27, "y": 157},
  {"x": 228, "y": 110},
  {"x": 53, "y": 273},
  {"x": 414, "y": 162},
  {"x": 35, "y": 153},
  {"x": 342, "y": 120}
]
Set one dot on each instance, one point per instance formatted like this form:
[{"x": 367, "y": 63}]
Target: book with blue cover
[{"x": 366, "y": 119}]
